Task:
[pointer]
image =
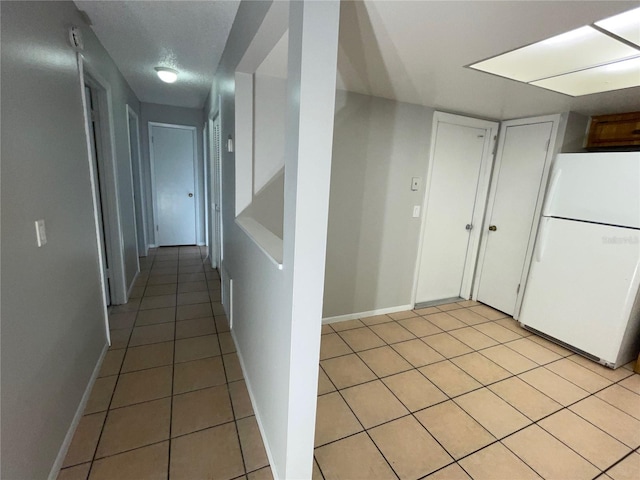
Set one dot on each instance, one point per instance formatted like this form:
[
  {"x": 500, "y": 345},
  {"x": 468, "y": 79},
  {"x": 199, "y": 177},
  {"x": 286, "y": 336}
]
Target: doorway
[
  {"x": 457, "y": 185},
  {"x": 95, "y": 139},
  {"x": 517, "y": 190},
  {"x": 216, "y": 193},
  {"x": 133, "y": 127},
  {"x": 174, "y": 186}
]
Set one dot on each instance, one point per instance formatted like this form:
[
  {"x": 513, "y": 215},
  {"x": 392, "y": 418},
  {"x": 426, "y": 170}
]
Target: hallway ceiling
[
  {"x": 188, "y": 36},
  {"x": 416, "y": 52}
]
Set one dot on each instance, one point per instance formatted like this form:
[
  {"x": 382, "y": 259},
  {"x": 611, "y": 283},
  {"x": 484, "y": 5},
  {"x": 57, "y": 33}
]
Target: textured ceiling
[
  {"x": 411, "y": 51},
  {"x": 187, "y": 36},
  {"x": 416, "y": 52}
]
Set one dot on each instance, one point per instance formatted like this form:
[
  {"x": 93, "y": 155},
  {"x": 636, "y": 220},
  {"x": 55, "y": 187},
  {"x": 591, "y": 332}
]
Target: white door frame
[
  {"x": 196, "y": 178},
  {"x": 102, "y": 89},
  {"x": 559, "y": 125},
  {"x": 137, "y": 188},
  {"x": 216, "y": 190},
  {"x": 491, "y": 129},
  {"x": 206, "y": 193}
]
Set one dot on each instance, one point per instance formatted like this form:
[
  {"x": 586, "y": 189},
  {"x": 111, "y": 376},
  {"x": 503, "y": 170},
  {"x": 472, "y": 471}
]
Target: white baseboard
[
  {"x": 57, "y": 465},
  {"x": 371, "y": 313},
  {"x": 133, "y": 282},
  {"x": 257, "y": 414}
]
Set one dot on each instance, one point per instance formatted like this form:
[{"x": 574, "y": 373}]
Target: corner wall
[
  {"x": 276, "y": 313},
  {"x": 372, "y": 241},
  {"x": 53, "y": 329}
]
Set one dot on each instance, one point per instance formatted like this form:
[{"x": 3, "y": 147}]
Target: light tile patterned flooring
[
  {"x": 448, "y": 392},
  {"x": 460, "y": 391},
  {"x": 170, "y": 400}
]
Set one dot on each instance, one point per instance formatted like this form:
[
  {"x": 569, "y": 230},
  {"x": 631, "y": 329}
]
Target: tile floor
[
  {"x": 170, "y": 400},
  {"x": 456, "y": 391},
  {"x": 460, "y": 391}
]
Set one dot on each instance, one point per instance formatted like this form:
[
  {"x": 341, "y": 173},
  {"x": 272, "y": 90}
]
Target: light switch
[
  {"x": 41, "y": 233},
  {"x": 416, "y": 211},
  {"x": 415, "y": 184}
]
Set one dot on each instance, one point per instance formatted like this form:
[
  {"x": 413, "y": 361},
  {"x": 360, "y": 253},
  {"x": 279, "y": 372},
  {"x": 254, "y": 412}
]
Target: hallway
[{"x": 170, "y": 400}]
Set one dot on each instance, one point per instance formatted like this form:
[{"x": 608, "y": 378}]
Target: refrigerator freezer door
[
  {"x": 582, "y": 285},
  {"x": 596, "y": 187}
]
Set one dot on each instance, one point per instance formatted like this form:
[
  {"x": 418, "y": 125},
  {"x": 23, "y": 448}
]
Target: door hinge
[
  {"x": 93, "y": 115},
  {"x": 518, "y": 289},
  {"x": 157, "y": 229},
  {"x": 107, "y": 273}
]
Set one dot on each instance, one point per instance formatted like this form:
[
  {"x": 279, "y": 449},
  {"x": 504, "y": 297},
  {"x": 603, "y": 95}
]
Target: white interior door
[
  {"x": 458, "y": 178},
  {"x": 173, "y": 160},
  {"x": 515, "y": 194}
]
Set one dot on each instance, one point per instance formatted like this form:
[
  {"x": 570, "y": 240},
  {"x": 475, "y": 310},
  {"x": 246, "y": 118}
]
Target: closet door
[
  {"x": 457, "y": 185},
  {"x": 516, "y": 194}
]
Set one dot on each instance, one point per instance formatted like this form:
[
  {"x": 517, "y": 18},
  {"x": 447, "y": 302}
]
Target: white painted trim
[
  {"x": 141, "y": 197},
  {"x": 491, "y": 129},
  {"x": 267, "y": 447},
  {"x": 196, "y": 175},
  {"x": 108, "y": 145},
  {"x": 133, "y": 282},
  {"x": 266, "y": 241},
  {"x": 370, "y": 313},
  {"x": 94, "y": 198},
  {"x": 62, "y": 453}
]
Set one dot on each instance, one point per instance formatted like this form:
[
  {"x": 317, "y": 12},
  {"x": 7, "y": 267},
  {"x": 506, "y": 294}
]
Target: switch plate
[
  {"x": 416, "y": 211},
  {"x": 415, "y": 184},
  {"x": 41, "y": 233}
]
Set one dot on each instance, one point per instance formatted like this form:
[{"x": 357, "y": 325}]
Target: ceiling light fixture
[
  {"x": 594, "y": 58},
  {"x": 167, "y": 75}
]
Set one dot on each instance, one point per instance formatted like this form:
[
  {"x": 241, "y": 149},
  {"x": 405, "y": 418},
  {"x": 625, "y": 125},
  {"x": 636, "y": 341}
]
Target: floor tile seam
[
  {"x": 367, "y": 327},
  {"x": 519, "y": 373},
  {"x": 328, "y": 377},
  {"x": 578, "y": 453},
  {"x": 226, "y": 376},
  {"x": 613, "y": 381},
  {"x": 572, "y": 382},
  {"x": 621, "y": 460},
  {"x": 506, "y": 344},
  {"x": 173, "y": 379},
  {"x": 553, "y": 436},
  {"x": 626, "y": 388},
  {"x": 106, "y": 415},
  {"x": 114, "y": 455},
  {"x": 425, "y": 477}
]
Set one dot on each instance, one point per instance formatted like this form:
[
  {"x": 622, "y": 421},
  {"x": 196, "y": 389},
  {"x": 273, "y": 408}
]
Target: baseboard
[
  {"x": 371, "y": 313},
  {"x": 57, "y": 465},
  {"x": 201, "y": 244},
  {"x": 257, "y": 414},
  {"x": 151, "y": 245},
  {"x": 133, "y": 283}
]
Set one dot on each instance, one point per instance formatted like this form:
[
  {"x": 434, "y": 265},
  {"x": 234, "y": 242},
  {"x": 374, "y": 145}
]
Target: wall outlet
[
  {"x": 416, "y": 211},
  {"x": 41, "y": 233},
  {"x": 415, "y": 184}
]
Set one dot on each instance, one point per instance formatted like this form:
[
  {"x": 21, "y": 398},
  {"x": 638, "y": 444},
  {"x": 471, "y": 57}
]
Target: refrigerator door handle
[
  {"x": 553, "y": 188},
  {"x": 542, "y": 240}
]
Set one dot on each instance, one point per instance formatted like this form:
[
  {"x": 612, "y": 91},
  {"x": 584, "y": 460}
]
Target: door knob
[
  {"x": 468, "y": 226},
  {"x": 493, "y": 228},
  {"x": 191, "y": 194}
]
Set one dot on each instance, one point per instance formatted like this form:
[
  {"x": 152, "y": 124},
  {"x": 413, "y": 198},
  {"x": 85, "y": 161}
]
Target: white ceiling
[
  {"x": 416, "y": 52},
  {"x": 188, "y": 36},
  {"x": 411, "y": 51}
]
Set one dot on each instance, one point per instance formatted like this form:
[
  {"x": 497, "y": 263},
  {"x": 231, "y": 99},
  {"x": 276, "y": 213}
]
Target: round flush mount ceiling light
[{"x": 167, "y": 75}]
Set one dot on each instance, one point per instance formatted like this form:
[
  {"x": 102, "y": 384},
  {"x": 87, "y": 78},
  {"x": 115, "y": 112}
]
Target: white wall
[
  {"x": 373, "y": 239},
  {"x": 52, "y": 314},
  {"x": 277, "y": 313},
  {"x": 151, "y": 112}
]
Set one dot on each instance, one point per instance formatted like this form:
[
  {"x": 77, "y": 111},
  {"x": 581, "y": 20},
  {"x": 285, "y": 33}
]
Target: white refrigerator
[{"x": 582, "y": 290}]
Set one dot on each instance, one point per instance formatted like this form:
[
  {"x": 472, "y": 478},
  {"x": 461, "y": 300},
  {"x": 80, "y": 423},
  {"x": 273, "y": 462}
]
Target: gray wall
[
  {"x": 193, "y": 117},
  {"x": 372, "y": 241},
  {"x": 276, "y": 317},
  {"x": 52, "y": 313}
]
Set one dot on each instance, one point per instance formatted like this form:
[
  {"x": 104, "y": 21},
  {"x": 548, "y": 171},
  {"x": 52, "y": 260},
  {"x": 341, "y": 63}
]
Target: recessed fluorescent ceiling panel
[
  {"x": 626, "y": 25},
  {"x": 613, "y": 76},
  {"x": 575, "y": 50},
  {"x": 586, "y": 60}
]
